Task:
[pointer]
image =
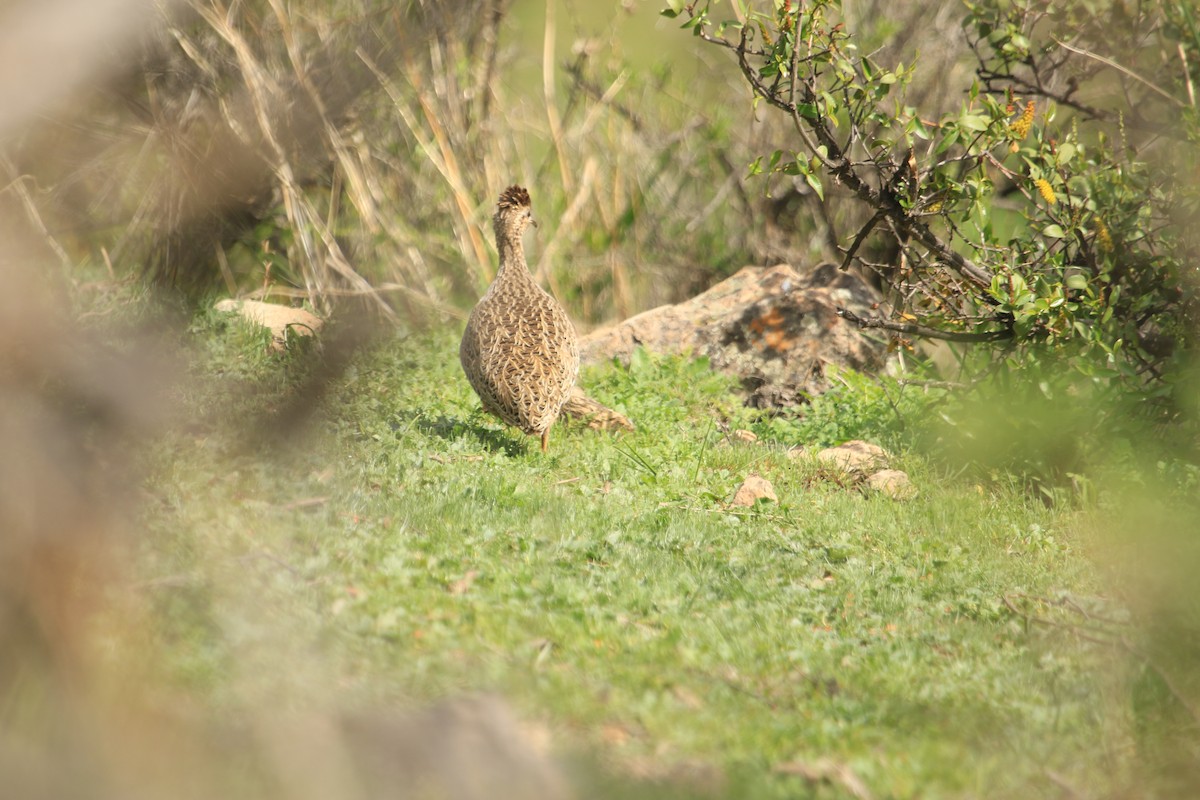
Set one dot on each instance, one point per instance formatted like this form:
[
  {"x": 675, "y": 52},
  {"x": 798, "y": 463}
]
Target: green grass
[{"x": 405, "y": 547}]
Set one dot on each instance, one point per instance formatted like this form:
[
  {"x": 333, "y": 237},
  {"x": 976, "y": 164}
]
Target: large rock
[{"x": 773, "y": 327}]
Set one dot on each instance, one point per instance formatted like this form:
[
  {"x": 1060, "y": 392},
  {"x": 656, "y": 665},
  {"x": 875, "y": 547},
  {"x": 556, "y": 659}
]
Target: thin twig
[
  {"x": 858, "y": 240},
  {"x": 1187, "y": 75},
  {"x": 922, "y": 383},
  {"x": 17, "y": 184},
  {"x": 796, "y": 120},
  {"x": 923, "y": 331},
  {"x": 605, "y": 97},
  {"x": 1108, "y": 62}
]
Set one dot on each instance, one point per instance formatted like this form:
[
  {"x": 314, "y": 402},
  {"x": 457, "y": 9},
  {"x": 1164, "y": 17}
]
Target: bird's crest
[{"x": 514, "y": 197}]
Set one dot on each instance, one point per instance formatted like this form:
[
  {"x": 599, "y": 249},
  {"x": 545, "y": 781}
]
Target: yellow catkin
[
  {"x": 1046, "y": 191},
  {"x": 1103, "y": 237},
  {"x": 1020, "y": 128}
]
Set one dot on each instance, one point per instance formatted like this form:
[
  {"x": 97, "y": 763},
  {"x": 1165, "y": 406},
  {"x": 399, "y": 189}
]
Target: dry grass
[{"x": 315, "y": 153}]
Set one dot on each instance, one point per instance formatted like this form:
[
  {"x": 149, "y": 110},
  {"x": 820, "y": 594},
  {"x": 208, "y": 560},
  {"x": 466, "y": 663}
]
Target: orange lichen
[
  {"x": 772, "y": 328},
  {"x": 778, "y": 340}
]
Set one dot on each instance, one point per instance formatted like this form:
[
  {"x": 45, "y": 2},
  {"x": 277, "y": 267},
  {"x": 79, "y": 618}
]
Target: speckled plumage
[{"x": 520, "y": 350}]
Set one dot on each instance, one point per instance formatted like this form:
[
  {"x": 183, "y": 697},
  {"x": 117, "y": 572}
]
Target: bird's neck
[{"x": 512, "y": 257}]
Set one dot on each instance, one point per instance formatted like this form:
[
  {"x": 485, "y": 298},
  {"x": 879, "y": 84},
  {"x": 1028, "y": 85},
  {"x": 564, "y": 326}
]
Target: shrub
[{"x": 1050, "y": 216}]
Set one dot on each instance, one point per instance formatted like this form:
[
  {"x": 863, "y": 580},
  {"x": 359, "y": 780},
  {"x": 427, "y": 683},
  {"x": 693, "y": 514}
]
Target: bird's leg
[{"x": 545, "y": 439}]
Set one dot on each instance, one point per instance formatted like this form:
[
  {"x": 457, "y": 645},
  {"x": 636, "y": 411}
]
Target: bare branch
[
  {"x": 858, "y": 240},
  {"x": 923, "y": 331},
  {"x": 1108, "y": 62}
]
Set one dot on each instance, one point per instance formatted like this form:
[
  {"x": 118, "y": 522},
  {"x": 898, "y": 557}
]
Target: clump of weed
[{"x": 880, "y": 409}]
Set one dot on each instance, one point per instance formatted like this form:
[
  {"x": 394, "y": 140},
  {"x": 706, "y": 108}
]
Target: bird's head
[{"x": 513, "y": 214}]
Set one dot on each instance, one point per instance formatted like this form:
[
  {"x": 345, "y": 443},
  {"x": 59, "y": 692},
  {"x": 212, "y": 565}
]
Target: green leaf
[
  {"x": 815, "y": 183},
  {"x": 1054, "y": 231},
  {"x": 948, "y": 141},
  {"x": 917, "y": 128},
  {"x": 1077, "y": 282},
  {"x": 974, "y": 122}
]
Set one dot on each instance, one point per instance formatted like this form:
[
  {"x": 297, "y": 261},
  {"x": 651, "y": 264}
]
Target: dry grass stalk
[{"x": 321, "y": 255}]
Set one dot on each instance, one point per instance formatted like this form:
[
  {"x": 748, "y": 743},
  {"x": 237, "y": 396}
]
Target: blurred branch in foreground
[{"x": 74, "y": 411}]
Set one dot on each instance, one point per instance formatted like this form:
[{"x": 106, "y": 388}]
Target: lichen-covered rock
[{"x": 773, "y": 327}]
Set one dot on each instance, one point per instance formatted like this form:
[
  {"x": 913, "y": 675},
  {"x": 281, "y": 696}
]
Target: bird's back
[{"x": 520, "y": 352}]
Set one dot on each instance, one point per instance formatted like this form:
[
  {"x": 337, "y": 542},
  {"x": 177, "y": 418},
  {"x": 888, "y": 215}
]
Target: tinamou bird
[{"x": 520, "y": 350}]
